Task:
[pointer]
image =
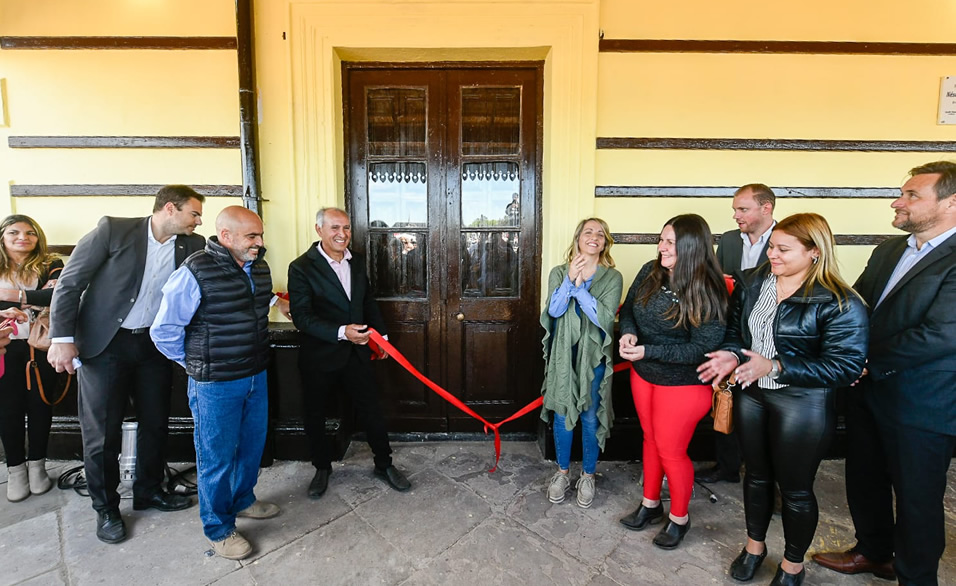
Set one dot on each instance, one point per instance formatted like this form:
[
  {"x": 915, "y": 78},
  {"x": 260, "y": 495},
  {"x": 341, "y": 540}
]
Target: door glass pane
[
  {"x": 490, "y": 120},
  {"x": 489, "y": 195},
  {"x": 397, "y": 262},
  {"x": 489, "y": 264},
  {"x": 397, "y": 195},
  {"x": 396, "y": 122}
]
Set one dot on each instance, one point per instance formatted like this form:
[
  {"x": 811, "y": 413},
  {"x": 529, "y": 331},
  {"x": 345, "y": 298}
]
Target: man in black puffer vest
[{"x": 214, "y": 320}]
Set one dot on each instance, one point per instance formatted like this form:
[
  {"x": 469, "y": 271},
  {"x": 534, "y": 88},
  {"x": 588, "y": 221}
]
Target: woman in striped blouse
[{"x": 796, "y": 332}]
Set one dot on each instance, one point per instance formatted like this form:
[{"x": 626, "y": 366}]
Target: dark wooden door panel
[{"x": 444, "y": 192}]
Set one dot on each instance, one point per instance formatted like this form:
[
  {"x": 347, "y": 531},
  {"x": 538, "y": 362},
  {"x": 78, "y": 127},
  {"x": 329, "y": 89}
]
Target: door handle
[{"x": 460, "y": 316}]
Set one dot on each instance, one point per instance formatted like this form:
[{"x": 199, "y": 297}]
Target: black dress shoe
[
  {"x": 717, "y": 474},
  {"x": 394, "y": 477},
  {"x": 110, "y": 527},
  {"x": 671, "y": 535},
  {"x": 319, "y": 484},
  {"x": 642, "y": 517},
  {"x": 784, "y": 579},
  {"x": 746, "y": 565},
  {"x": 162, "y": 501}
]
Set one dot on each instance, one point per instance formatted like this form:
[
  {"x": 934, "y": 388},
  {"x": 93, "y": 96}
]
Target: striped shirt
[{"x": 761, "y": 324}]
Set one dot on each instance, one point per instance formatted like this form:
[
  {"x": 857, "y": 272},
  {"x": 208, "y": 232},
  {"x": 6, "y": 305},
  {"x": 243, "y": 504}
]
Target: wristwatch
[{"x": 774, "y": 369}]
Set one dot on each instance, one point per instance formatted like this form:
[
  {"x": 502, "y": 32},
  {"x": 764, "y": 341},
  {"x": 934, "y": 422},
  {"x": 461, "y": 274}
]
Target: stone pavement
[{"x": 458, "y": 525}]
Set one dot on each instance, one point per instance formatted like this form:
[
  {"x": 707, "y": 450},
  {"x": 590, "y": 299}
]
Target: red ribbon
[{"x": 399, "y": 358}]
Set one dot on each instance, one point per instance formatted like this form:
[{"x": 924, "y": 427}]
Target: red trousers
[{"x": 669, "y": 416}]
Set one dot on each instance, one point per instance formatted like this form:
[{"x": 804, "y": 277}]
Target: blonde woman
[
  {"x": 27, "y": 275},
  {"x": 583, "y": 297},
  {"x": 796, "y": 332}
]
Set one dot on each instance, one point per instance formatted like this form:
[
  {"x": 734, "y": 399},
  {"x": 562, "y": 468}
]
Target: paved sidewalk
[{"x": 458, "y": 525}]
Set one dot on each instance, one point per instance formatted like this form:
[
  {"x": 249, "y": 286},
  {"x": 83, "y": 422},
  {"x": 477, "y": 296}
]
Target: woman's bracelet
[{"x": 22, "y": 297}]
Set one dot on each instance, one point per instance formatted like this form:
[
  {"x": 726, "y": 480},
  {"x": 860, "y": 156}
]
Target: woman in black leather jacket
[{"x": 797, "y": 331}]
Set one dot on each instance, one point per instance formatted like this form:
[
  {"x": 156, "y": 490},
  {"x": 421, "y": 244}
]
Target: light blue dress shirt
[
  {"x": 909, "y": 259},
  {"x": 561, "y": 298},
  {"x": 181, "y": 298}
]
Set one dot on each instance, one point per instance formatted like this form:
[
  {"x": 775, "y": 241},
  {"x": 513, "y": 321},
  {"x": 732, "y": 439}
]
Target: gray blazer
[
  {"x": 730, "y": 250},
  {"x": 100, "y": 283}
]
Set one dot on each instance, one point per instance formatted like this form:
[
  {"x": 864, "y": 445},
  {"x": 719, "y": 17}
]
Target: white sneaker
[
  {"x": 559, "y": 486},
  {"x": 585, "y": 488},
  {"x": 39, "y": 480},
  {"x": 233, "y": 547}
]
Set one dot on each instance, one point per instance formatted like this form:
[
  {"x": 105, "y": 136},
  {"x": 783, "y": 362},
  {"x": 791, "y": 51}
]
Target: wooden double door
[{"x": 443, "y": 184}]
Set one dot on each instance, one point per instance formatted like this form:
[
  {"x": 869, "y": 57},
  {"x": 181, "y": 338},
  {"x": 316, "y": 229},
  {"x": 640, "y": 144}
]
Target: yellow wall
[
  {"x": 587, "y": 94},
  {"x": 116, "y": 93},
  {"x": 829, "y": 97},
  {"x": 300, "y": 83}
]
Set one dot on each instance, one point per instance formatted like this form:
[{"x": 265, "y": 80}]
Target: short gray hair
[{"x": 320, "y": 215}]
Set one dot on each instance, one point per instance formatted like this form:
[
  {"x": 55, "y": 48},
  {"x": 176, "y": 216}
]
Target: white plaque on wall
[{"x": 947, "y": 100}]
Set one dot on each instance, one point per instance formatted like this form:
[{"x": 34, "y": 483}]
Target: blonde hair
[
  {"x": 605, "y": 258},
  {"x": 813, "y": 231},
  {"x": 37, "y": 262}
]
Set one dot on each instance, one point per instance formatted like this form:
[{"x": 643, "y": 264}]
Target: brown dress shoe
[{"x": 854, "y": 562}]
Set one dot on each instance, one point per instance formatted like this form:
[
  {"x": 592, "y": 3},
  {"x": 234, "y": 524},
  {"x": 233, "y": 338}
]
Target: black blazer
[
  {"x": 912, "y": 356},
  {"x": 320, "y": 306},
  {"x": 730, "y": 250},
  {"x": 101, "y": 281}
]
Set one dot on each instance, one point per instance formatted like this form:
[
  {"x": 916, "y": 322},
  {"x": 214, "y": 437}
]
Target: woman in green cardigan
[{"x": 584, "y": 294}]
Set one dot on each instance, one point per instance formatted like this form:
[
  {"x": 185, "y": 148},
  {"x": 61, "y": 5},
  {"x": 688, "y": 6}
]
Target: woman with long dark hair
[
  {"x": 673, "y": 315},
  {"x": 27, "y": 275},
  {"x": 796, "y": 332},
  {"x": 579, "y": 331}
]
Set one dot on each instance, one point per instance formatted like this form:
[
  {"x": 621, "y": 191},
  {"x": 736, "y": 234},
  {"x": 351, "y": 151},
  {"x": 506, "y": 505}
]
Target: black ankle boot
[
  {"x": 671, "y": 535},
  {"x": 643, "y": 516},
  {"x": 784, "y": 579},
  {"x": 746, "y": 565}
]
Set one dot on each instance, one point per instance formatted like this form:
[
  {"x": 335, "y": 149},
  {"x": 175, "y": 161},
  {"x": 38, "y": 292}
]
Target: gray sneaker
[
  {"x": 585, "y": 488},
  {"x": 559, "y": 486}
]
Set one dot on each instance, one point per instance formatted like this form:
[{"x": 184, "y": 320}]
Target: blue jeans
[
  {"x": 231, "y": 418},
  {"x": 589, "y": 427}
]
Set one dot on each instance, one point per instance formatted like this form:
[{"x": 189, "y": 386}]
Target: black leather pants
[{"x": 784, "y": 434}]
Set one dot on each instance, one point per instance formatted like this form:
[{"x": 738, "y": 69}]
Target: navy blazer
[
  {"x": 320, "y": 307},
  {"x": 101, "y": 281},
  {"x": 912, "y": 355},
  {"x": 730, "y": 250}
]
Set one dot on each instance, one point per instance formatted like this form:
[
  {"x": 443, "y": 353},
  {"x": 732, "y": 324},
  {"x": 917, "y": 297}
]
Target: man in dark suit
[
  {"x": 901, "y": 417},
  {"x": 333, "y": 307},
  {"x": 737, "y": 251},
  {"x": 103, "y": 304}
]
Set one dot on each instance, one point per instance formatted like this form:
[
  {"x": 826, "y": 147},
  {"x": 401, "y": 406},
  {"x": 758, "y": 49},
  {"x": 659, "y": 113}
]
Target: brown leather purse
[{"x": 722, "y": 409}]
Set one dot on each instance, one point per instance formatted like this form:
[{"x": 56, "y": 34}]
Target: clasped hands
[
  {"x": 576, "y": 269},
  {"x": 722, "y": 363},
  {"x": 628, "y": 349}
]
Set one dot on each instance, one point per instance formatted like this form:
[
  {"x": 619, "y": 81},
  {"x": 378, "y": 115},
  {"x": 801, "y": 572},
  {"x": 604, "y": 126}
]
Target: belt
[{"x": 135, "y": 331}]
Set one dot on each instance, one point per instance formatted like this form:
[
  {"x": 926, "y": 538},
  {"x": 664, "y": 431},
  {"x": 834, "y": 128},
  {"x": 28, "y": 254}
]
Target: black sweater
[{"x": 671, "y": 355}]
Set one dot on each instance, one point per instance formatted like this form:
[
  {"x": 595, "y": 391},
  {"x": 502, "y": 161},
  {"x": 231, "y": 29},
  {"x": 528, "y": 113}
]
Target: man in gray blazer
[
  {"x": 103, "y": 304},
  {"x": 901, "y": 416},
  {"x": 737, "y": 251}
]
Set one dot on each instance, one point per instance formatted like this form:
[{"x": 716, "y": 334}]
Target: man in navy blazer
[
  {"x": 901, "y": 417},
  {"x": 103, "y": 304},
  {"x": 333, "y": 307},
  {"x": 737, "y": 251}
]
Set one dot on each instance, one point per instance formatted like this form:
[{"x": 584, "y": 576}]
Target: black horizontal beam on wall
[
  {"x": 776, "y": 144},
  {"x": 699, "y": 191},
  {"x": 109, "y": 43},
  {"x": 846, "y": 239},
  {"x": 115, "y": 190},
  {"x": 123, "y": 142},
  {"x": 785, "y": 47}
]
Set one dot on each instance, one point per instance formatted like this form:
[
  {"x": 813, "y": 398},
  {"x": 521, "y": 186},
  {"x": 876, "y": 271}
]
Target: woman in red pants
[{"x": 674, "y": 313}]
